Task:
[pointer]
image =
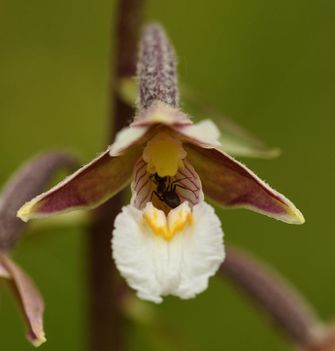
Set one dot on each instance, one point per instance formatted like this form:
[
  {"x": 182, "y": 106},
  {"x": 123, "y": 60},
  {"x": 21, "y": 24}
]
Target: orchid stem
[
  {"x": 281, "y": 302},
  {"x": 106, "y": 320}
]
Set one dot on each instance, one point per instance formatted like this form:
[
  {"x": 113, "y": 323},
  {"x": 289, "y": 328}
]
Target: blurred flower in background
[{"x": 27, "y": 182}]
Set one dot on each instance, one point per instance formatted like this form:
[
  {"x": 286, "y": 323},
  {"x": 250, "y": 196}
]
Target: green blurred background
[{"x": 267, "y": 64}]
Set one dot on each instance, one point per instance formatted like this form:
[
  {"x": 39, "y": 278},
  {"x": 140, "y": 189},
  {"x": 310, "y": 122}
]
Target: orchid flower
[{"x": 168, "y": 240}]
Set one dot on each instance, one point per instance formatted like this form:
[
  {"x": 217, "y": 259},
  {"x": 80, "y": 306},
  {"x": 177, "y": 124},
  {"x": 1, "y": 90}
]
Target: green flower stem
[{"x": 106, "y": 319}]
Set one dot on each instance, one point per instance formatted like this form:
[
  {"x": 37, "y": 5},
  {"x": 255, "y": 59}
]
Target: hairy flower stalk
[
  {"x": 275, "y": 297},
  {"x": 156, "y": 69},
  {"x": 168, "y": 240},
  {"x": 27, "y": 182}
]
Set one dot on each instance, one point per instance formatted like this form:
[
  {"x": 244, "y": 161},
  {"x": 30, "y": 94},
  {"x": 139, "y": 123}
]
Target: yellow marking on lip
[
  {"x": 164, "y": 155},
  {"x": 184, "y": 218},
  {"x": 167, "y": 229},
  {"x": 157, "y": 227}
]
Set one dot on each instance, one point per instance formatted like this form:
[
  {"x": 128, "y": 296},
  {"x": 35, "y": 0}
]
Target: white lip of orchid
[{"x": 172, "y": 254}]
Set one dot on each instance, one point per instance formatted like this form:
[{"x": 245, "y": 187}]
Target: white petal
[
  {"x": 125, "y": 138},
  {"x": 204, "y": 133},
  {"x": 155, "y": 266},
  {"x": 203, "y": 251}
]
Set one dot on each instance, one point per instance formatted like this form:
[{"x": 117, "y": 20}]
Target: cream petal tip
[
  {"x": 38, "y": 341},
  {"x": 25, "y": 212},
  {"x": 296, "y": 217}
]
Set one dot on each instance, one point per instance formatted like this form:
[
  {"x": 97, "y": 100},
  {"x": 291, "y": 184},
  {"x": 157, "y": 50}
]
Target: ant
[{"x": 166, "y": 190}]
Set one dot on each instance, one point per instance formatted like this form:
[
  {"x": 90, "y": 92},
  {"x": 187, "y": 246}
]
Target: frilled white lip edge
[{"x": 180, "y": 266}]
